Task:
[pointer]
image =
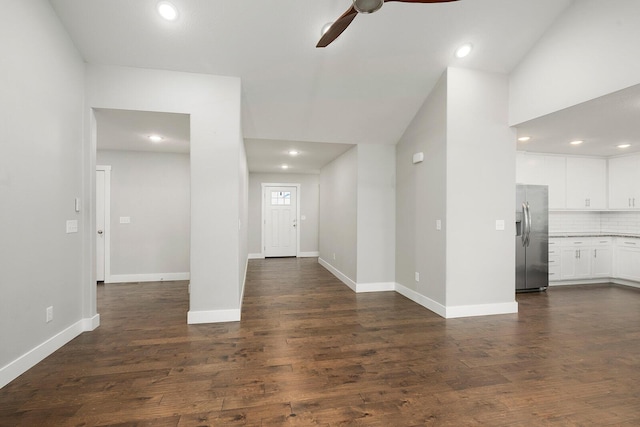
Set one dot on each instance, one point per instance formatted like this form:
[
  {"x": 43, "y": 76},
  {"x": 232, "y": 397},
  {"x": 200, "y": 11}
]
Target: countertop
[{"x": 592, "y": 234}]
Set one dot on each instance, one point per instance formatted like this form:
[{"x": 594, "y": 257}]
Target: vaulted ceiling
[{"x": 364, "y": 88}]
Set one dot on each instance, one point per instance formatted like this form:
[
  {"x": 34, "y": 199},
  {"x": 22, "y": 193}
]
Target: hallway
[{"x": 309, "y": 351}]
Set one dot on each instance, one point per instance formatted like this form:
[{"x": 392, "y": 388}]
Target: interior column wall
[{"x": 216, "y": 181}]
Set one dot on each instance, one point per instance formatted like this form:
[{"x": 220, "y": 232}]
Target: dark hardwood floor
[{"x": 309, "y": 351}]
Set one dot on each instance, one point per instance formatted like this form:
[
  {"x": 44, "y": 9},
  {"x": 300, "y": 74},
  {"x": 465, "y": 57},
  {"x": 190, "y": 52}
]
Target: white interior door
[
  {"x": 100, "y": 222},
  {"x": 280, "y": 221},
  {"x": 103, "y": 207}
]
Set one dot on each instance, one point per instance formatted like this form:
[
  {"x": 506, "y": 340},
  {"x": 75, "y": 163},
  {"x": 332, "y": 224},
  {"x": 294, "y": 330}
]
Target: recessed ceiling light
[
  {"x": 293, "y": 152},
  {"x": 155, "y": 138},
  {"x": 167, "y": 10},
  {"x": 578, "y": 142},
  {"x": 624, "y": 145},
  {"x": 285, "y": 166},
  {"x": 325, "y": 28},
  {"x": 524, "y": 138},
  {"x": 464, "y": 50}
]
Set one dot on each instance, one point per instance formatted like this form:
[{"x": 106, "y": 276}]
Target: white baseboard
[
  {"x": 151, "y": 277},
  {"x": 34, "y": 356},
  {"x": 625, "y": 282},
  {"x": 375, "y": 287},
  {"x": 213, "y": 316},
  {"x": 256, "y": 256},
  {"x": 420, "y": 299},
  {"x": 309, "y": 254},
  {"x": 454, "y": 312},
  {"x": 342, "y": 277}
]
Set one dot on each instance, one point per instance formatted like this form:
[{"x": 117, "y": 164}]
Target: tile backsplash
[{"x": 594, "y": 222}]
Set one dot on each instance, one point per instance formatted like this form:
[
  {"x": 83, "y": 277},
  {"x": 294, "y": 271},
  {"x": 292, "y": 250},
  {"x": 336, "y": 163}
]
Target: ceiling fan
[{"x": 359, "y": 6}]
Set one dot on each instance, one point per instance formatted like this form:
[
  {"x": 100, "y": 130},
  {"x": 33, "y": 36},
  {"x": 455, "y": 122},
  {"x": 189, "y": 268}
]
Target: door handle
[{"x": 99, "y": 231}]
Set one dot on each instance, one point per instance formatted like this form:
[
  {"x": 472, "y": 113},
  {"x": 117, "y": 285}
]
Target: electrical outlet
[
  {"x": 417, "y": 276},
  {"x": 334, "y": 255},
  {"x": 49, "y": 313}
]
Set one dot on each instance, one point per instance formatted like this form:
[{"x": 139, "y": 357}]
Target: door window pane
[{"x": 280, "y": 198}]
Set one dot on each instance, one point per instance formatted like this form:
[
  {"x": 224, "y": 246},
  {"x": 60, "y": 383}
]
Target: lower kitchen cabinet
[
  {"x": 628, "y": 259},
  {"x": 580, "y": 258},
  {"x": 575, "y": 260},
  {"x": 602, "y": 258}
]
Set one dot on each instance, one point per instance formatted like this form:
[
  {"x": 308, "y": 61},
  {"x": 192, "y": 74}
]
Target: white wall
[
  {"x": 309, "y": 199},
  {"x": 467, "y": 182},
  {"x": 218, "y": 253},
  {"x": 152, "y": 189},
  {"x": 338, "y": 215},
  {"x": 376, "y": 237},
  {"x": 588, "y": 52},
  {"x": 41, "y": 101},
  {"x": 480, "y": 190},
  {"x": 421, "y": 201}
]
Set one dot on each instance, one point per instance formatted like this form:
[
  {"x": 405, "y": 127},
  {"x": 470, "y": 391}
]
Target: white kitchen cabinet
[
  {"x": 554, "y": 259},
  {"x": 602, "y": 257},
  {"x": 586, "y": 183},
  {"x": 624, "y": 182},
  {"x": 575, "y": 259},
  {"x": 628, "y": 259},
  {"x": 540, "y": 169}
]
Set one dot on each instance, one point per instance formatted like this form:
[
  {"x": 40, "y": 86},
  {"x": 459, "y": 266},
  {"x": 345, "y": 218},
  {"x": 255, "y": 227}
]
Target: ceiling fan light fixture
[
  {"x": 167, "y": 10},
  {"x": 464, "y": 50},
  {"x": 367, "y": 6},
  {"x": 325, "y": 28}
]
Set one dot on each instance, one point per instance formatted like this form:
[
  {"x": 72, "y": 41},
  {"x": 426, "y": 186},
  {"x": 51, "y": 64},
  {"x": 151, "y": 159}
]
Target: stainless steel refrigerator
[{"x": 532, "y": 237}]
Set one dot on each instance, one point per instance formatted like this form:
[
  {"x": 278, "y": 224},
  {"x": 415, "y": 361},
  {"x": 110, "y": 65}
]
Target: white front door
[
  {"x": 280, "y": 221},
  {"x": 100, "y": 211}
]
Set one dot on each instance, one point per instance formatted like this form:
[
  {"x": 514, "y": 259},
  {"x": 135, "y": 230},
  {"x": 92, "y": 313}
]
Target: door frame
[
  {"x": 263, "y": 216},
  {"x": 107, "y": 221}
]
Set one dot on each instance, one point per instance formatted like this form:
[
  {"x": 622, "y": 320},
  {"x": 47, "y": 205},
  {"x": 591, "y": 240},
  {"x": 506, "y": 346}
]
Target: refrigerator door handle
[
  {"x": 524, "y": 224},
  {"x": 528, "y": 223}
]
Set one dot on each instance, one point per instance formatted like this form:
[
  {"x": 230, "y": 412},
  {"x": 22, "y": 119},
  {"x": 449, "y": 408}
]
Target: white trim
[
  {"x": 308, "y": 254},
  {"x": 375, "y": 287},
  {"x": 481, "y": 310},
  {"x": 256, "y": 256},
  {"x": 580, "y": 282},
  {"x": 420, "y": 299},
  {"x": 107, "y": 221},
  {"x": 91, "y": 323},
  {"x": 625, "y": 282},
  {"x": 213, "y": 316},
  {"x": 151, "y": 277},
  {"x": 264, "y": 195},
  {"x": 343, "y": 278},
  {"x": 34, "y": 356},
  {"x": 244, "y": 283}
]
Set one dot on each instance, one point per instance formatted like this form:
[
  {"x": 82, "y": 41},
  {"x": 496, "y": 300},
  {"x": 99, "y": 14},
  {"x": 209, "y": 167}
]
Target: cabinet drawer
[
  {"x": 601, "y": 241},
  {"x": 630, "y": 243},
  {"x": 554, "y": 272}
]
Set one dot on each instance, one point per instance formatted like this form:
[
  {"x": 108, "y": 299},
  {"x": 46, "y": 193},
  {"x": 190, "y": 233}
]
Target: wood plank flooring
[{"x": 310, "y": 352}]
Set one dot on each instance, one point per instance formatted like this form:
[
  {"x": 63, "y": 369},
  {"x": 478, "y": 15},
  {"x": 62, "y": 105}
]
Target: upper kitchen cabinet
[
  {"x": 540, "y": 169},
  {"x": 624, "y": 182},
  {"x": 586, "y": 183}
]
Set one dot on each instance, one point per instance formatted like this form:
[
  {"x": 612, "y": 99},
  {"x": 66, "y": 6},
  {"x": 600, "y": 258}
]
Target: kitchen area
[{"x": 593, "y": 217}]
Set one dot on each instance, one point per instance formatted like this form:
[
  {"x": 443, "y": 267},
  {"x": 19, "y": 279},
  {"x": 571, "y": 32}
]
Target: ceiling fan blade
[{"x": 337, "y": 27}]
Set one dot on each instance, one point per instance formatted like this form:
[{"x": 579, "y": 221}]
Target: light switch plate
[
  {"x": 72, "y": 226},
  {"x": 125, "y": 220},
  {"x": 500, "y": 224},
  {"x": 438, "y": 224}
]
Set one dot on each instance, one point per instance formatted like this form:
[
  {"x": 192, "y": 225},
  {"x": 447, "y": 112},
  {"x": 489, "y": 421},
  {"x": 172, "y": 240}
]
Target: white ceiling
[
  {"x": 602, "y": 124},
  {"x": 268, "y": 156},
  {"x": 364, "y": 88}
]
